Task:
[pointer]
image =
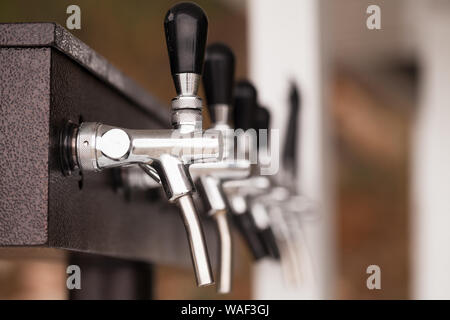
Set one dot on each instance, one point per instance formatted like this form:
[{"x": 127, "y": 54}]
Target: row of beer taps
[{"x": 216, "y": 170}]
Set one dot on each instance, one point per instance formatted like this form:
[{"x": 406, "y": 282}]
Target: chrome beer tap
[
  {"x": 218, "y": 80},
  {"x": 270, "y": 207},
  {"x": 165, "y": 155},
  {"x": 286, "y": 208},
  {"x": 254, "y": 228}
]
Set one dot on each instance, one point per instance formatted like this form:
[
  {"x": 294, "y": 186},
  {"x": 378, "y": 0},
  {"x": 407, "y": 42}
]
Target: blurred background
[{"x": 373, "y": 141}]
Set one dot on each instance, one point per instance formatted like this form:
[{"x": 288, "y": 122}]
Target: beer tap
[
  {"x": 289, "y": 161},
  {"x": 218, "y": 80},
  {"x": 165, "y": 155},
  {"x": 257, "y": 209},
  {"x": 252, "y": 228},
  {"x": 268, "y": 209},
  {"x": 286, "y": 207}
]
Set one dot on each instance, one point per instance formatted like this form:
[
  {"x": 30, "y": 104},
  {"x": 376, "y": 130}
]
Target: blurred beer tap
[
  {"x": 288, "y": 172},
  {"x": 285, "y": 206},
  {"x": 253, "y": 226},
  {"x": 218, "y": 81}
]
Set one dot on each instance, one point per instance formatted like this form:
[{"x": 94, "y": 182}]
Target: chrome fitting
[{"x": 86, "y": 140}]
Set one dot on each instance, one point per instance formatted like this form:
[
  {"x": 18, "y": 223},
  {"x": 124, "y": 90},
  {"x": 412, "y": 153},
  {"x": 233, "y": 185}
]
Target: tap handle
[
  {"x": 270, "y": 242},
  {"x": 218, "y": 76},
  {"x": 261, "y": 118},
  {"x": 290, "y": 146},
  {"x": 186, "y": 27},
  {"x": 246, "y": 225},
  {"x": 245, "y": 97},
  {"x": 261, "y": 121}
]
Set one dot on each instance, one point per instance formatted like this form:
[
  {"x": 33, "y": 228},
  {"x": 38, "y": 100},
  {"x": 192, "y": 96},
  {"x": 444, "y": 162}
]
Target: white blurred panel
[
  {"x": 286, "y": 42},
  {"x": 431, "y": 158}
]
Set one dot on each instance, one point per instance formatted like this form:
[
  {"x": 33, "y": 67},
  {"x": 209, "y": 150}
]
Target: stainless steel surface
[
  {"x": 114, "y": 144},
  {"x": 215, "y": 203},
  {"x": 222, "y": 170},
  {"x": 240, "y": 192},
  {"x": 238, "y": 203},
  {"x": 164, "y": 155},
  {"x": 260, "y": 215},
  {"x": 174, "y": 176},
  {"x": 199, "y": 253},
  {"x": 187, "y": 106},
  {"x": 86, "y": 149},
  {"x": 211, "y": 176},
  {"x": 137, "y": 177},
  {"x": 187, "y": 102},
  {"x": 146, "y": 146},
  {"x": 151, "y": 175},
  {"x": 186, "y": 84},
  {"x": 226, "y": 252},
  {"x": 251, "y": 186},
  {"x": 222, "y": 113},
  {"x": 186, "y": 120}
]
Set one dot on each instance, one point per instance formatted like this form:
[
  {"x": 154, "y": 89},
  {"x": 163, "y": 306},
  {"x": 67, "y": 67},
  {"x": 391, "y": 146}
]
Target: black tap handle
[
  {"x": 290, "y": 145},
  {"x": 248, "y": 230},
  {"x": 218, "y": 75},
  {"x": 245, "y": 97},
  {"x": 262, "y": 118},
  {"x": 270, "y": 242},
  {"x": 261, "y": 121},
  {"x": 186, "y": 28}
]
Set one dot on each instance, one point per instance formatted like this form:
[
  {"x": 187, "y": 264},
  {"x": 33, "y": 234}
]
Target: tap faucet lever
[
  {"x": 262, "y": 122},
  {"x": 218, "y": 77},
  {"x": 186, "y": 27},
  {"x": 245, "y": 103},
  {"x": 164, "y": 154},
  {"x": 218, "y": 81}
]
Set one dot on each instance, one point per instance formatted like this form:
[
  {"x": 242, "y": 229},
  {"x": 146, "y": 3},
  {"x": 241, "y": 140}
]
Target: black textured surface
[
  {"x": 42, "y": 88},
  {"x": 55, "y": 36},
  {"x": 24, "y": 127}
]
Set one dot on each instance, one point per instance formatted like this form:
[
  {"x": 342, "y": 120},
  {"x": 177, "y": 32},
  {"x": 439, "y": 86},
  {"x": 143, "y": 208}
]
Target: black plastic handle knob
[
  {"x": 248, "y": 230},
  {"x": 261, "y": 122},
  {"x": 186, "y": 28},
  {"x": 245, "y": 97},
  {"x": 218, "y": 74},
  {"x": 290, "y": 146},
  {"x": 261, "y": 118},
  {"x": 270, "y": 242}
]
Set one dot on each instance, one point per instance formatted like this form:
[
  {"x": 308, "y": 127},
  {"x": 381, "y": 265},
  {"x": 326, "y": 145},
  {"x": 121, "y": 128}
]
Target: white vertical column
[
  {"x": 287, "y": 43},
  {"x": 431, "y": 159}
]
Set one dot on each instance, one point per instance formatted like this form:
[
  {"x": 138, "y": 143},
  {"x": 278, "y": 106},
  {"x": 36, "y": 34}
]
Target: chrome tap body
[{"x": 218, "y": 81}]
